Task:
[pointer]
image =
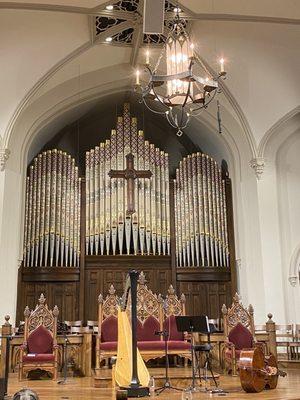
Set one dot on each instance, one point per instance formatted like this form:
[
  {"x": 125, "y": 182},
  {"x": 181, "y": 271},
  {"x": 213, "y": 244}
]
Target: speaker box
[{"x": 154, "y": 16}]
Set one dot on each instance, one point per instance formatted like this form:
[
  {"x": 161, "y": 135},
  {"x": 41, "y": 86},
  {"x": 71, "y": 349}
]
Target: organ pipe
[
  {"x": 52, "y": 211},
  {"x": 200, "y": 213},
  {"x": 147, "y": 230}
]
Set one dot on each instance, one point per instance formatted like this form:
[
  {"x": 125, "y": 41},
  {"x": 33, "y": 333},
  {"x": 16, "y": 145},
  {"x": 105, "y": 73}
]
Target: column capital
[
  {"x": 293, "y": 280},
  {"x": 258, "y": 166},
  {"x": 4, "y": 155}
]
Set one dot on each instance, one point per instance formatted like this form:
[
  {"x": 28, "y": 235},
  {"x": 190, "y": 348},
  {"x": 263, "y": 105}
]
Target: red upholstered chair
[
  {"x": 149, "y": 315},
  {"x": 39, "y": 350},
  {"x": 239, "y": 332},
  {"x": 174, "y": 306},
  {"x": 107, "y": 337}
]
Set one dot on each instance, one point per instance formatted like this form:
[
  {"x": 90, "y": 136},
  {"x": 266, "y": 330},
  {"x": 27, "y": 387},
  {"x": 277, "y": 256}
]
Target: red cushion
[
  {"x": 170, "y": 326},
  {"x": 178, "y": 345},
  {"x": 109, "y": 329},
  {"x": 241, "y": 337},
  {"x": 160, "y": 345},
  {"x": 151, "y": 345},
  {"x": 40, "y": 341},
  {"x": 146, "y": 331},
  {"x": 38, "y": 357},
  {"x": 109, "y": 346}
]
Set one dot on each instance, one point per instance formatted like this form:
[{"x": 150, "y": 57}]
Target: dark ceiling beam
[{"x": 114, "y": 30}]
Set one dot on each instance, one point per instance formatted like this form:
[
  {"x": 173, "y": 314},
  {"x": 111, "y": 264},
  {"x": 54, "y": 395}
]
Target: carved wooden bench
[{"x": 154, "y": 313}]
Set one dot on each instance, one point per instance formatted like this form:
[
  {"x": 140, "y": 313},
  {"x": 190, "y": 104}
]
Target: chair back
[
  {"x": 238, "y": 314},
  {"x": 172, "y": 308},
  {"x": 297, "y": 333},
  {"x": 284, "y": 333},
  {"x": 148, "y": 303},
  {"x": 73, "y": 323},
  {"x": 93, "y": 326},
  {"x": 260, "y": 328},
  {"x": 79, "y": 330},
  {"x": 108, "y": 313},
  {"x": 40, "y": 327},
  {"x": 173, "y": 305}
]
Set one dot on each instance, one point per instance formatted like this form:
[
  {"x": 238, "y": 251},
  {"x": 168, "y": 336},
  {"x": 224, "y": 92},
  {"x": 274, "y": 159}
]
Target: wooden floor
[{"x": 83, "y": 389}]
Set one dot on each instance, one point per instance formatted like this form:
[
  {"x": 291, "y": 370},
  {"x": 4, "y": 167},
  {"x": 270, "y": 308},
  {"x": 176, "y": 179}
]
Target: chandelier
[{"x": 187, "y": 87}]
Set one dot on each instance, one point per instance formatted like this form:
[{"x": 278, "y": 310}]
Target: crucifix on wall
[{"x": 130, "y": 174}]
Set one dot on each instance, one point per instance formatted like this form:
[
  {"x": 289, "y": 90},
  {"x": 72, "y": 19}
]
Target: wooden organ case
[{"x": 78, "y": 238}]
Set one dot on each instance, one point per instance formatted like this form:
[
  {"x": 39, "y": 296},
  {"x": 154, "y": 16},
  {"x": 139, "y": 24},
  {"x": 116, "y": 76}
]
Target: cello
[{"x": 257, "y": 371}]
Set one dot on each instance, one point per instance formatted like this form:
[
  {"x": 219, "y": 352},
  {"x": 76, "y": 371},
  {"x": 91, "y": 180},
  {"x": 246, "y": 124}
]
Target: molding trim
[
  {"x": 293, "y": 280},
  {"x": 277, "y": 127},
  {"x": 258, "y": 166},
  {"x": 100, "y": 10},
  {"x": 4, "y": 155}
]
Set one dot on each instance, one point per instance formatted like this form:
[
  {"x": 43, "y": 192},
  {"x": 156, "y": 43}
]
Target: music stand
[
  {"x": 65, "y": 352},
  {"x": 192, "y": 324}
]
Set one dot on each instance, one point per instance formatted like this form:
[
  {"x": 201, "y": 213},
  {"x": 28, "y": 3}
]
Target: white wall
[{"x": 288, "y": 175}]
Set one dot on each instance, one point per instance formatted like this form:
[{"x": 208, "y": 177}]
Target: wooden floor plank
[{"x": 82, "y": 388}]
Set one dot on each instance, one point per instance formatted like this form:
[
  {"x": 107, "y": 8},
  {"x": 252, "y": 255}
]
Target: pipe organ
[
  {"x": 108, "y": 229},
  {"x": 53, "y": 204},
  {"x": 52, "y": 211},
  {"x": 200, "y": 213},
  {"x": 83, "y": 234}
]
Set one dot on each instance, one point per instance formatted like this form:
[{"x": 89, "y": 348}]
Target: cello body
[{"x": 257, "y": 371}]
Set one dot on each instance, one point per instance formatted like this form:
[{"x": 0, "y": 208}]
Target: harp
[{"x": 131, "y": 372}]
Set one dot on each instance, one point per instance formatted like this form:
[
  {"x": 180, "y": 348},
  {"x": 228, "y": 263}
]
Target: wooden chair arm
[
  {"x": 261, "y": 345},
  {"x": 23, "y": 347},
  {"x": 229, "y": 345},
  {"x": 187, "y": 336}
]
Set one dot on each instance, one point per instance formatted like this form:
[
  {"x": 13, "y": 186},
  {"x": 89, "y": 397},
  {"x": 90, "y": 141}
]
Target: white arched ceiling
[
  {"x": 31, "y": 44},
  {"x": 263, "y": 63},
  {"x": 43, "y": 49}
]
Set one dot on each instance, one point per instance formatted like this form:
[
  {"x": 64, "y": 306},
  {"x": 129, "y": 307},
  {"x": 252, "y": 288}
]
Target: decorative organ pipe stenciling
[
  {"x": 200, "y": 213},
  {"x": 52, "y": 211},
  {"x": 147, "y": 230}
]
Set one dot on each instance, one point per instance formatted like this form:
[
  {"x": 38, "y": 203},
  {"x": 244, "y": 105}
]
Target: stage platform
[{"x": 83, "y": 388}]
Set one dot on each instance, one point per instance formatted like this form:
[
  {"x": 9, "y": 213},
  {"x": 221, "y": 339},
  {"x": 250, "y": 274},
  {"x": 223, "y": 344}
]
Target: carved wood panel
[
  {"x": 101, "y": 272},
  {"x": 206, "y": 298},
  {"x": 62, "y": 294}
]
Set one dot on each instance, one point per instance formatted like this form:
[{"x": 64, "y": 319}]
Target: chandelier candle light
[{"x": 182, "y": 92}]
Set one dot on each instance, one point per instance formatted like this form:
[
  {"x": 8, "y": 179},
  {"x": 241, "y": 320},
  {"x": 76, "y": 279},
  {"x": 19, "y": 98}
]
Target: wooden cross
[{"x": 130, "y": 174}]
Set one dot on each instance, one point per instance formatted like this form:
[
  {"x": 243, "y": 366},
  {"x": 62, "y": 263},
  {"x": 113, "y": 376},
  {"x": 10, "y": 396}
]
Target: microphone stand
[
  {"x": 167, "y": 384},
  {"x": 65, "y": 348}
]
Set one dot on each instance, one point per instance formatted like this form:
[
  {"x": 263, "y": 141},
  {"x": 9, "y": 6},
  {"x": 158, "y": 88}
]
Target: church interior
[{"x": 149, "y": 199}]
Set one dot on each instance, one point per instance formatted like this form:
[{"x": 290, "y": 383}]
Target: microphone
[{"x": 161, "y": 333}]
